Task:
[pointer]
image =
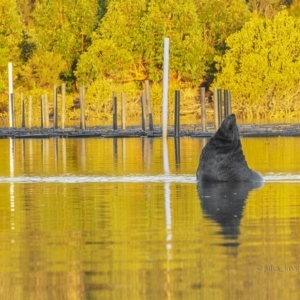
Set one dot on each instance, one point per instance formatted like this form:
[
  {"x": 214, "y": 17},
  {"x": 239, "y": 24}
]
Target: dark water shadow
[{"x": 224, "y": 203}]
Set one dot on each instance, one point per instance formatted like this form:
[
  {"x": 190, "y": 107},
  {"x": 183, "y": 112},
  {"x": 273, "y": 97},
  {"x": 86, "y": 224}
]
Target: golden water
[{"x": 105, "y": 219}]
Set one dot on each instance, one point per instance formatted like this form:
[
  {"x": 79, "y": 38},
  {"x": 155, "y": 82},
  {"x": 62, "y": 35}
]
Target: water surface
[{"x": 126, "y": 219}]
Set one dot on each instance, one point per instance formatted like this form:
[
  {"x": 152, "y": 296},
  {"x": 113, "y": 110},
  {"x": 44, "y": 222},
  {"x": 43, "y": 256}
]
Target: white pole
[
  {"x": 165, "y": 88},
  {"x": 10, "y": 91}
]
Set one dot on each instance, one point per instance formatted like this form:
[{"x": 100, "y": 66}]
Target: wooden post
[
  {"x": 225, "y": 103},
  {"x": 29, "y": 111},
  {"x": 10, "y": 94},
  {"x": 143, "y": 98},
  {"x": 203, "y": 108},
  {"x": 22, "y": 111},
  {"x": 42, "y": 111},
  {"x": 55, "y": 107},
  {"x": 177, "y": 114},
  {"x": 115, "y": 111},
  {"x": 123, "y": 103},
  {"x": 229, "y": 103},
  {"x": 82, "y": 107},
  {"x": 46, "y": 112},
  {"x": 149, "y": 106},
  {"x": 63, "y": 104},
  {"x": 216, "y": 114},
  {"x": 12, "y": 112},
  {"x": 220, "y": 102}
]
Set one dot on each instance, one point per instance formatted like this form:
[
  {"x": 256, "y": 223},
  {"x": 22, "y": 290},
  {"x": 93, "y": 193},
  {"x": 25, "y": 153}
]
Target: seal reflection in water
[
  {"x": 222, "y": 158},
  {"x": 224, "y": 179},
  {"x": 224, "y": 203}
]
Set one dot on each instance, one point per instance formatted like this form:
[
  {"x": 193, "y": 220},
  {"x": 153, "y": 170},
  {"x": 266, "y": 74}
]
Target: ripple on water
[{"x": 172, "y": 178}]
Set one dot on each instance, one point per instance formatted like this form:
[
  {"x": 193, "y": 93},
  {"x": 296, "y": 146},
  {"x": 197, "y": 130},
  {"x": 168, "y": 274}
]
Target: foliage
[
  {"x": 110, "y": 45},
  {"x": 294, "y": 8},
  {"x": 43, "y": 70},
  {"x": 115, "y": 50},
  {"x": 267, "y": 8},
  {"x": 100, "y": 93},
  {"x": 259, "y": 67},
  {"x": 64, "y": 27},
  {"x": 221, "y": 18},
  {"x": 128, "y": 46},
  {"x": 179, "y": 21},
  {"x": 10, "y": 37}
]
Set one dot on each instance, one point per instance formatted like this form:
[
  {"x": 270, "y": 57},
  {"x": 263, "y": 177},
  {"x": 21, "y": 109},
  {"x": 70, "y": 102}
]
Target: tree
[
  {"x": 10, "y": 37},
  {"x": 26, "y": 8},
  {"x": 268, "y": 8},
  {"x": 43, "y": 70},
  {"x": 179, "y": 21},
  {"x": 64, "y": 27},
  {"x": 129, "y": 43},
  {"x": 128, "y": 46},
  {"x": 260, "y": 67},
  {"x": 219, "y": 19}
]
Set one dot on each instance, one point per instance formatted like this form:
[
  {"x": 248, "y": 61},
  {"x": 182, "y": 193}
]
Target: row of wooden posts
[
  {"x": 222, "y": 101},
  {"x": 222, "y": 108},
  {"x": 44, "y": 105}
]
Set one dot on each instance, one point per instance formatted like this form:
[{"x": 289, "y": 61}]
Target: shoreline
[{"x": 246, "y": 130}]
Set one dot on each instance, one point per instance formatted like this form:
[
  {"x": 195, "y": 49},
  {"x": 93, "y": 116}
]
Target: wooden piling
[
  {"x": 220, "y": 104},
  {"x": 29, "y": 111},
  {"x": 203, "y": 108},
  {"x": 177, "y": 114},
  {"x": 63, "y": 104},
  {"x": 123, "y": 110},
  {"x": 149, "y": 105},
  {"x": 12, "y": 112},
  {"x": 46, "y": 112},
  {"x": 82, "y": 107},
  {"x": 143, "y": 103},
  {"x": 42, "y": 111},
  {"x": 22, "y": 111},
  {"x": 115, "y": 111},
  {"x": 229, "y": 103},
  {"x": 55, "y": 125},
  {"x": 216, "y": 110},
  {"x": 225, "y": 103}
]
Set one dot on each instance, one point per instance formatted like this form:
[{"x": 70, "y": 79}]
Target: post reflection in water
[
  {"x": 12, "y": 186},
  {"x": 115, "y": 152},
  {"x": 177, "y": 151},
  {"x": 224, "y": 203}
]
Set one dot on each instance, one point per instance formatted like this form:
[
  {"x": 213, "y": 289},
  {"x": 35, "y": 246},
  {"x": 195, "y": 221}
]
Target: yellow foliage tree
[{"x": 261, "y": 67}]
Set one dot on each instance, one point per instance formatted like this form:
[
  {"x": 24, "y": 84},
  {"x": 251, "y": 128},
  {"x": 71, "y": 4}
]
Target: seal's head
[{"x": 228, "y": 131}]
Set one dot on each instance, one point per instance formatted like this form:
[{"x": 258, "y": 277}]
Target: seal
[{"x": 222, "y": 158}]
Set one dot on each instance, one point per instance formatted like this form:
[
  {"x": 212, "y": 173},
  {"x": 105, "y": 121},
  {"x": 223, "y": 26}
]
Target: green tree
[
  {"x": 179, "y": 21},
  {"x": 268, "y": 8},
  {"x": 260, "y": 67},
  {"x": 294, "y": 8},
  {"x": 219, "y": 19},
  {"x": 128, "y": 46},
  {"x": 10, "y": 37},
  {"x": 25, "y": 8},
  {"x": 64, "y": 27},
  {"x": 43, "y": 70}
]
